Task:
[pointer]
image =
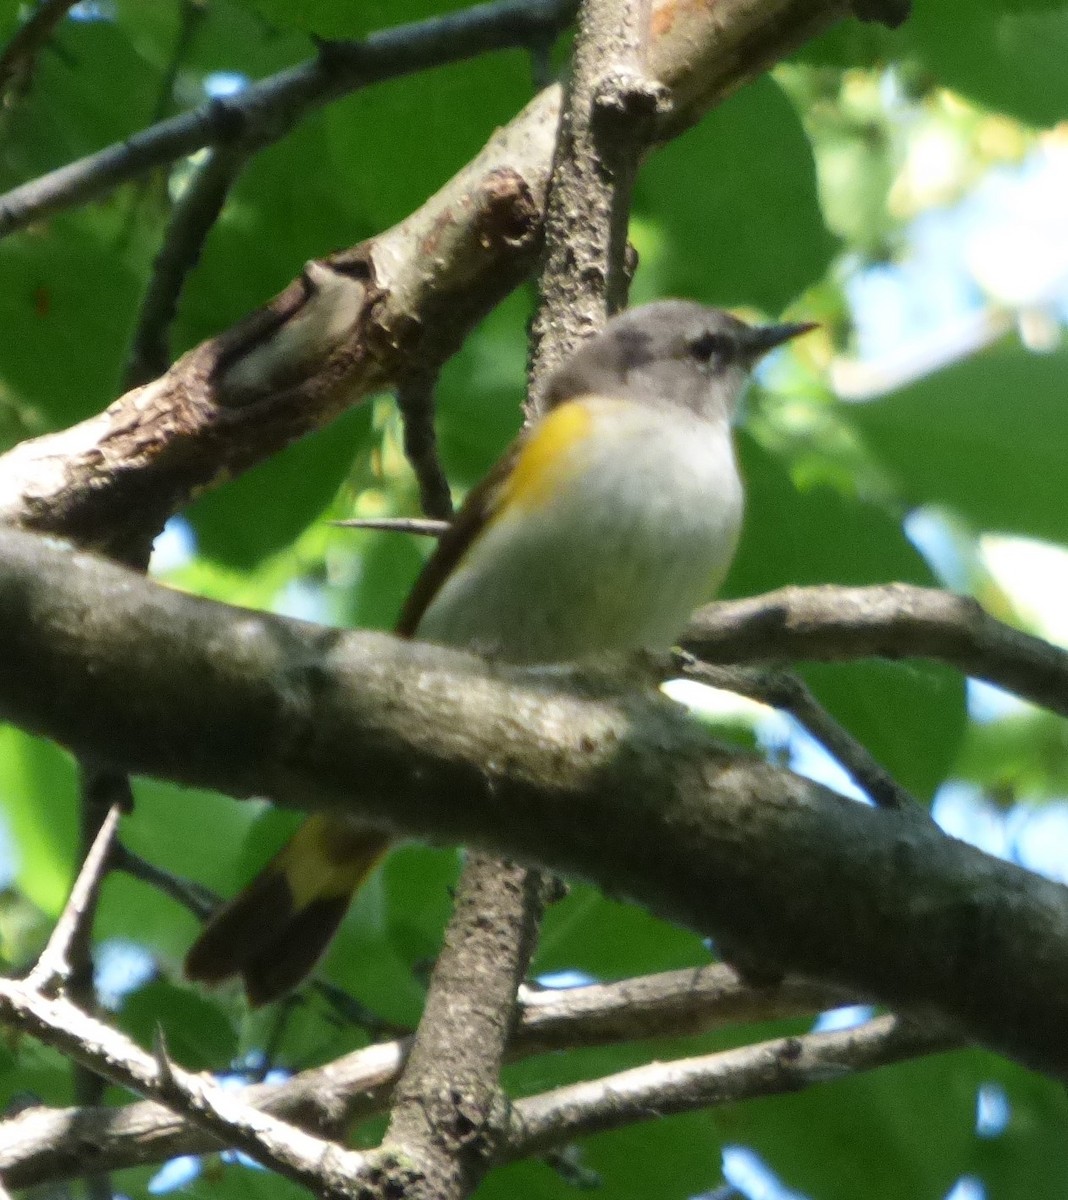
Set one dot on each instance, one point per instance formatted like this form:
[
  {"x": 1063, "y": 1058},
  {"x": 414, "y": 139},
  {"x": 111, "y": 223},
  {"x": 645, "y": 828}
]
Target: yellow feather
[{"x": 544, "y": 457}]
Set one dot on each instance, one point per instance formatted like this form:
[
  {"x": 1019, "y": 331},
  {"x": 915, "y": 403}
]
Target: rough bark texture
[
  {"x": 580, "y": 775},
  {"x": 607, "y": 118},
  {"x": 42, "y": 1144},
  {"x": 449, "y": 1115},
  {"x": 898, "y": 620},
  {"x": 353, "y": 322}
]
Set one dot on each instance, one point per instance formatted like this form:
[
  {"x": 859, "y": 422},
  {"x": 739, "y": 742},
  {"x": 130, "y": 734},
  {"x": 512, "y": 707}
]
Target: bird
[{"x": 602, "y": 527}]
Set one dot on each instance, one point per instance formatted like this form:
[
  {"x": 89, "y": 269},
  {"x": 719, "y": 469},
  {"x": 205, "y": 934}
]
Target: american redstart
[{"x": 603, "y": 526}]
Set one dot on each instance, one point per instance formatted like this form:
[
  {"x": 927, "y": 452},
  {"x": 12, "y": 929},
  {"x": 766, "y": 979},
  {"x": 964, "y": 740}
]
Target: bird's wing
[{"x": 473, "y": 516}]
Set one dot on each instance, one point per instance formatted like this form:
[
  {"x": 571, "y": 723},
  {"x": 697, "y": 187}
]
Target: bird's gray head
[{"x": 672, "y": 353}]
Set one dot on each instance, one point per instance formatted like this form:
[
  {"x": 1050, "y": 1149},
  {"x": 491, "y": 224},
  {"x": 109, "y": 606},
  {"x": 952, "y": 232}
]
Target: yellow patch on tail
[{"x": 326, "y": 858}]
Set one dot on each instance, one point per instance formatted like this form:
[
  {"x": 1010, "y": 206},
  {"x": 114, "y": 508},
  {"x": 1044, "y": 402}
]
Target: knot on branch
[
  {"x": 624, "y": 97},
  {"x": 469, "y": 1123},
  {"x": 511, "y": 215}
]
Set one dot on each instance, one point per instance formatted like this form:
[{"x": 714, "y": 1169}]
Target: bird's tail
[{"x": 273, "y": 932}]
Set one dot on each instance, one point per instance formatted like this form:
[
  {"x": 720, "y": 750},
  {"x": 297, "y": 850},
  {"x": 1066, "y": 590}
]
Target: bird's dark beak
[{"x": 762, "y": 338}]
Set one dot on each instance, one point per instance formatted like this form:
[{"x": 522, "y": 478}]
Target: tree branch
[
  {"x": 202, "y": 902},
  {"x": 415, "y": 399},
  {"x": 53, "y": 968},
  {"x": 660, "y": 1089},
  {"x": 897, "y": 620},
  {"x": 538, "y": 767},
  {"x": 267, "y": 111},
  {"x": 423, "y": 526},
  {"x": 449, "y": 1114},
  {"x": 19, "y": 54},
  {"x": 348, "y": 325},
  {"x": 292, "y": 1152},
  {"x": 41, "y": 1145},
  {"x": 784, "y": 691},
  {"x": 191, "y": 220},
  {"x": 606, "y": 123}
]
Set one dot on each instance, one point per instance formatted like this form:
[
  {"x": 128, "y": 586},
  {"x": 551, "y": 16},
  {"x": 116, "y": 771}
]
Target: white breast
[{"x": 640, "y": 531}]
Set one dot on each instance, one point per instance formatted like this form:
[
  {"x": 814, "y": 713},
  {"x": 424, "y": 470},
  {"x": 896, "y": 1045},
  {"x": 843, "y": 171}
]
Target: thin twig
[
  {"x": 415, "y": 399},
  {"x": 102, "y": 791},
  {"x": 419, "y": 525},
  {"x": 191, "y": 221},
  {"x": 202, "y": 902},
  {"x": 19, "y": 54},
  {"x": 54, "y": 966},
  {"x": 667, "y": 1004},
  {"x": 767, "y": 1068},
  {"x": 266, "y": 111},
  {"x": 787, "y": 692},
  {"x": 323, "y": 1166},
  {"x": 45, "y": 1145}
]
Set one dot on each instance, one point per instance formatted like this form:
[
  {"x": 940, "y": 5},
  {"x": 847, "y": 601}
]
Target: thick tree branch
[
  {"x": 267, "y": 111},
  {"x": 540, "y": 767},
  {"x": 449, "y": 1114},
  {"x": 42, "y": 1145},
  {"x": 349, "y": 324},
  {"x": 899, "y": 620},
  {"x": 606, "y": 122}
]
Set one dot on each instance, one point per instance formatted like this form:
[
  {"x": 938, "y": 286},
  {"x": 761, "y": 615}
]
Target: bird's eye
[{"x": 708, "y": 346}]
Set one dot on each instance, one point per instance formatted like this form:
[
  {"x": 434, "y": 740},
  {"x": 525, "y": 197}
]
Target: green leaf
[
  {"x": 987, "y": 436},
  {"x": 481, "y": 391},
  {"x": 38, "y": 790},
  {"x": 388, "y": 567},
  {"x": 71, "y": 290},
  {"x": 393, "y": 145},
  {"x": 33, "y": 1074},
  {"x": 1027, "y": 1160},
  {"x": 898, "y": 1133},
  {"x": 263, "y": 510},
  {"x": 393, "y": 934},
  {"x": 196, "y": 1031},
  {"x": 737, "y": 200},
  {"x": 669, "y": 1158},
  {"x": 1020, "y": 755},
  {"x": 909, "y": 1131},
  {"x": 611, "y": 940},
  {"x": 1003, "y": 56},
  {"x": 90, "y": 88}
]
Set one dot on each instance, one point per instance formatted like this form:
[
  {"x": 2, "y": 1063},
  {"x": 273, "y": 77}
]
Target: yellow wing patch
[{"x": 544, "y": 456}]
